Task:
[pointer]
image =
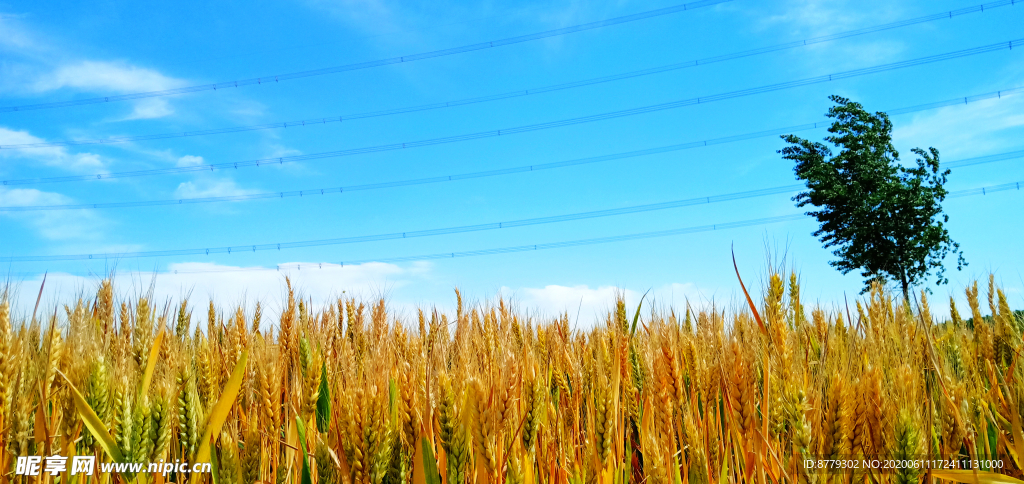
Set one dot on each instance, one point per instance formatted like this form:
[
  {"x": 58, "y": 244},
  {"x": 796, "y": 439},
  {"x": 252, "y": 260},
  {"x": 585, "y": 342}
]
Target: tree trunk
[{"x": 906, "y": 287}]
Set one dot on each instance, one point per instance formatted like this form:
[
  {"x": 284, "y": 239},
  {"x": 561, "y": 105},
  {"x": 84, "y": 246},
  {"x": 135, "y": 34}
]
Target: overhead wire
[
  {"x": 557, "y": 245},
  {"x": 464, "y": 228},
  {"x": 474, "y": 253},
  {"x": 412, "y": 233},
  {"x": 537, "y": 126},
  {"x": 767, "y": 220},
  {"x": 317, "y": 121},
  {"x": 1010, "y": 155},
  {"x": 467, "y": 176},
  {"x": 276, "y": 78},
  {"x": 626, "y": 237}
]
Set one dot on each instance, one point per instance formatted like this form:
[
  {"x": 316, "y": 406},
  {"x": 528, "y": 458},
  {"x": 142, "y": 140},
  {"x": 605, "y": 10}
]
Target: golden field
[{"x": 346, "y": 393}]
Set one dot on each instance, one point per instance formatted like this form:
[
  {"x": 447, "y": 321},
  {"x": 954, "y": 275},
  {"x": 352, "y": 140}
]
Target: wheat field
[{"x": 347, "y": 393}]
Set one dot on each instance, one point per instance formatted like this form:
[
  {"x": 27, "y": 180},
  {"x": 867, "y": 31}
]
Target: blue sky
[{"x": 63, "y": 51}]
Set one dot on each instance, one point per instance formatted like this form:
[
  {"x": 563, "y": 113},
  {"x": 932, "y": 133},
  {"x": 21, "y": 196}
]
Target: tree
[{"x": 882, "y": 218}]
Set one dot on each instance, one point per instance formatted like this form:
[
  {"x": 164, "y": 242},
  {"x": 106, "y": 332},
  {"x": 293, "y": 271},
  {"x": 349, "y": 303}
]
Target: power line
[
  {"x": 513, "y": 94},
  {"x": 466, "y": 228},
  {"x": 558, "y": 245},
  {"x": 275, "y": 78},
  {"x": 545, "y": 125},
  {"x": 493, "y": 251},
  {"x": 414, "y": 233},
  {"x": 984, "y": 159},
  {"x": 570, "y": 243},
  {"x": 636, "y": 236},
  {"x": 986, "y": 190},
  {"x": 466, "y": 176}
]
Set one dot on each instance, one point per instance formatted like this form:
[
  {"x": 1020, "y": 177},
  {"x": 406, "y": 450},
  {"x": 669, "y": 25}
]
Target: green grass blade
[
  {"x": 214, "y": 468},
  {"x": 307, "y": 477},
  {"x": 393, "y": 400},
  {"x": 301, "y": 428},
  {"x": 429, "y": 463},
  {"x": 750, "y": 302},
  {"x": 636, "y": 317}
]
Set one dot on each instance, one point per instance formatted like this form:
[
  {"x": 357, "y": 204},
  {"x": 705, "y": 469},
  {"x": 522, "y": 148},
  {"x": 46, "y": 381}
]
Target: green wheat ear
[
  {"x": 323, "y": 403},
  {"x": 95, "y": 425}
]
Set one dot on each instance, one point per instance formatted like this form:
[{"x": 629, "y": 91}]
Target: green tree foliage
[{"x": 882, "y": 218}]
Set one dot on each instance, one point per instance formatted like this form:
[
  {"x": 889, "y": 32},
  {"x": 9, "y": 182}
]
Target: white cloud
[
  {"x": 150, "y": 109},
  {"x": 20, "y": 197},
  {"x": 21, "y": 54},
  {"x": 374, "y": 16},
  {"x": 35, "y": 64},
  {"x": 106, "y": 76},
  {"x": 14, "y": 38},
  {"x": 57, "y": 156},
  {"x": 966, "y": 130},
  {"x": 822, "y": 17},
  {"x": 54, "y": 225},
  {"x": 592, "y": 305},
  {"x": 394, "y": 24},
  {"x": 803, "y": 19},
  {"x": 551, "y": 300},
  {"x": 117, "y": 77},
  {"x": 204, "y": 188},
  {"x": 320, "y": 282},
  {"x": 275, "y": 150},
  {"x": 190, "y": 160},
  {"x": 248, "y": 110},
  {"x": 230, "y": 285}
]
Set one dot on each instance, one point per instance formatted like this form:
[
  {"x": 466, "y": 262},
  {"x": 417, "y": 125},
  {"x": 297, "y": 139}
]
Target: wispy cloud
[
  {"x": 20, "y": 197},
  {"x": 150, "y": 109},
  {"x": 95, "y": 76},
  {"x": 964, "y": 131},
  {"x": 202, "y": 188},
  {"x": 56, "y": 225},
  {"x": 113, "y": 77},
  {"x": 35, "y": 65},
  {"x": 820, "y": 17},
  {"x": 14, "y": 37},
  {"x": 190, "y": 160},
  {"x": 50, "y": 156},
  {"x": 802, "y": 19},
  {"x": 411, "y": 25},
  {"x": 374, "y": 16}
]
